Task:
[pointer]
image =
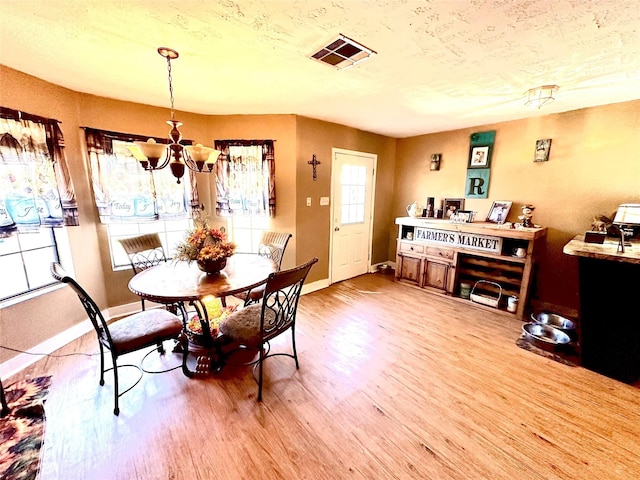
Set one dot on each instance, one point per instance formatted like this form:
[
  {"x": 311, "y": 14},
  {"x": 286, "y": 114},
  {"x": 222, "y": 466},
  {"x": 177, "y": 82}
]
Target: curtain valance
[
  {"x": 125, "y": 192},
  {"x": 36, "y": 187}
]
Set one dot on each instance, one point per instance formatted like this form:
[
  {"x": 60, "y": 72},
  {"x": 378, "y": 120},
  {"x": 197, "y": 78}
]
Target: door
[{"x": 352, "y": 181}]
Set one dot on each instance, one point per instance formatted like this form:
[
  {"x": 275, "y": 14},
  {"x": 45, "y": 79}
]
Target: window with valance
[
  {"x": 36, "y": 199},
  {"x": 36, "y": 188},
  {"x": 125, "y": 192},
  {"x": 245, "y": 178}
]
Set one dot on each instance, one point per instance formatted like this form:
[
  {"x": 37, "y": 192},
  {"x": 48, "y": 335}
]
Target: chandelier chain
[{"x": 173, "y": 115}]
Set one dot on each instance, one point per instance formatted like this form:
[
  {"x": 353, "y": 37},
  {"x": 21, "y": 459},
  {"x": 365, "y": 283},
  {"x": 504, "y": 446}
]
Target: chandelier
[{"x": 156, "y": 156}]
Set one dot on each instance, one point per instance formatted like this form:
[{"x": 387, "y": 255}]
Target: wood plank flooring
[{"x": 394, "y": 383}]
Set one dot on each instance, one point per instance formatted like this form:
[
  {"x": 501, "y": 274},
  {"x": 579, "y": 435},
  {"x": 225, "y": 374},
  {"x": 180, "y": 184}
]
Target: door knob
[{"x": 336, "y": 229}]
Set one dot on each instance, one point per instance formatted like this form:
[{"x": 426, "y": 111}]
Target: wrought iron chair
[
  {"x": 255, "y": 325},
  {"x": 144, "y": 251},
  {"x": 129, "y": 334},
  {"x": 272, "y": 245}
]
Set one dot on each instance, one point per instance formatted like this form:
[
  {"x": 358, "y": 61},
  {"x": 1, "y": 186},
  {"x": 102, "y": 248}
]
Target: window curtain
[
  {"x": 246, "y": 178},
  {"x": 35, "y": 185},
  {"x": 125, "y": 192}
]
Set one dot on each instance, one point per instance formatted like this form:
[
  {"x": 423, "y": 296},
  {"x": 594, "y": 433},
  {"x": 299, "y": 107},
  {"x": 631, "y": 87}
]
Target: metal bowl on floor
[
  {"x": 554, "y": 320},
  {"x": 545, "y": 333}
]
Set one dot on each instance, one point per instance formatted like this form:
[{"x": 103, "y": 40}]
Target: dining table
[{"x": 184, "y": 285}]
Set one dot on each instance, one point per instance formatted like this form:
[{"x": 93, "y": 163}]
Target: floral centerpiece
[{"x": 207, "y": 246}]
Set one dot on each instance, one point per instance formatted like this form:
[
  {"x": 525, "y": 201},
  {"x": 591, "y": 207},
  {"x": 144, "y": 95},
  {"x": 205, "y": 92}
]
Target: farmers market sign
[{"x": 473, "y": 241}]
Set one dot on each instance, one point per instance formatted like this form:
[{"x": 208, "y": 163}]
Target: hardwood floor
[{"x": 394, "y": 383}]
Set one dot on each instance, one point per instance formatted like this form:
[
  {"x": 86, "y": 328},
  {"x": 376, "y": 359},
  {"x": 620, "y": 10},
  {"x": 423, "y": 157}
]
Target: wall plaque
[{"x": 474, "y": 241}]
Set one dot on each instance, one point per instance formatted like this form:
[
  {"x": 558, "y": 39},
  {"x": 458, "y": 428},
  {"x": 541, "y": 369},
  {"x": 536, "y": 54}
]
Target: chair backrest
[
  {"x": 144, "y": 251},
  {"x": 280, "y": 299},
  {"x": 273, "y": 245},
  {"x": 97, "y": 320}
]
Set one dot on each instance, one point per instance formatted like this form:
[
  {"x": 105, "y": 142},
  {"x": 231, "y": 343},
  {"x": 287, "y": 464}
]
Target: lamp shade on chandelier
[{"x": 155, "y": 156}]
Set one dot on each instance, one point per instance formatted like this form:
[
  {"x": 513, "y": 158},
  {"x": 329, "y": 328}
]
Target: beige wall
[
  {"x": 76, "y": 110},
  {"x": 594, "y": 166},
  {"x": 314, "y": 222}
]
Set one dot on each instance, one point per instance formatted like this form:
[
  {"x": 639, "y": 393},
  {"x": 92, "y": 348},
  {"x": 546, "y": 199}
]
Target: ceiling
[{"x": 440, "y": 65}]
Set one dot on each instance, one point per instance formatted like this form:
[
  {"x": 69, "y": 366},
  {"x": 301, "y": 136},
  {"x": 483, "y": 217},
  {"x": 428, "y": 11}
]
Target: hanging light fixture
[
  {"x": 539, "y": 96},
  {"x": 196, "y": 157}
]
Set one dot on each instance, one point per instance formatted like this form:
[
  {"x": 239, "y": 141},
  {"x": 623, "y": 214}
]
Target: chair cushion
[
  {"x": 144, "y": 329},
  {"x": 244, "y": 325}
]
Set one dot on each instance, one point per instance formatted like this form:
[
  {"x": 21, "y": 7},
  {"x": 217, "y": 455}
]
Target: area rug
[{"x": 22, "y": 430}]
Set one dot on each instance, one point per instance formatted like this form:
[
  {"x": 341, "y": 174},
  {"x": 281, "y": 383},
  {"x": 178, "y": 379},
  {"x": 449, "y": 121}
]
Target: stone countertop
[{"x": 606, "y": 251}]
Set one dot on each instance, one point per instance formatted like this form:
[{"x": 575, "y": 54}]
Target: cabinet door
[
  {"x": 436, "y": 274},
  {"x": 410, "y": 269}
]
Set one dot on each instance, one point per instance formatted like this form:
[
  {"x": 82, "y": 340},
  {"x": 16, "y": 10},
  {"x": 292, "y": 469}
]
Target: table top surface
[
  {"x": 176, "y": 281},
  {"x": 606, "y": 251}
]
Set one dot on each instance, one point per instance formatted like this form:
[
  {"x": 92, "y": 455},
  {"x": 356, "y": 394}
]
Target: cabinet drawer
[
  {"x": 411, "y": 247},
  {"x": 440, "y": 252}
]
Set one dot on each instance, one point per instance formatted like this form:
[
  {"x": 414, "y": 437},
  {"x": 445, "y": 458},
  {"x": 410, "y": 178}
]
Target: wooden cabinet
[{"x": 439, "y": 255}]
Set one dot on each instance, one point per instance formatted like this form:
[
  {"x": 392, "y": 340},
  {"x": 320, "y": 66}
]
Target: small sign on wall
[{"x": 477, "y": 183}]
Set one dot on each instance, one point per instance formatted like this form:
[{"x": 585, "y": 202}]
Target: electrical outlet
[
  {"x": 324, "y": 201},
  {"x": 308, "y": 201}
]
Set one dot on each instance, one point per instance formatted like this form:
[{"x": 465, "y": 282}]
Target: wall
[
  {"x": 23, "y": 326},
  {"x": 314, "y": 222},
  {"x": 594, "y": 166}
]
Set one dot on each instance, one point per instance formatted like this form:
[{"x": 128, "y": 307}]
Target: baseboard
[
  {"x": 31, "y": 356},
  {"x": 24, "y": 360}
]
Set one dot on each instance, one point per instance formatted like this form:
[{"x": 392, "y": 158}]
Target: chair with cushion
[
  {"x": 272, "y": 245},
  {"x": 144, "y": 251},
  {"x": 132, "y": 333},
  {"x": 255, "y": 325}
]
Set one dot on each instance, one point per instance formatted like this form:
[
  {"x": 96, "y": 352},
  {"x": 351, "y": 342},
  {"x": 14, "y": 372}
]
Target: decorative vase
[{"x": 212, "y": 266}]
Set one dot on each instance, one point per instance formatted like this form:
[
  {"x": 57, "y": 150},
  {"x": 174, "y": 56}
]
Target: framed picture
[
  {"x": 465, "y": 216},
  {"x": 479, "y": 157},
  {"x": 452, "y": 205},
  {"x": 543, "y": 147},
  {"x": 435, "y": 161},
  {"x": 499, "y": 211}
]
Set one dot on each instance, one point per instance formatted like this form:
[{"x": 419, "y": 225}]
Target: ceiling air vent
[{"x": 343, "y": 53}]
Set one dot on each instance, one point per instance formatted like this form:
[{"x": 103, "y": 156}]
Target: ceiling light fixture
[
  {"x": 539, "y": 96},
  {"x": 196, "y": 157}
]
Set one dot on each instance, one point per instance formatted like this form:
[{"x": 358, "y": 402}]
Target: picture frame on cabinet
[
  {"x": 452, "y": 205},
  {"x": 465, "y": 216},
  {"x": 499, "y": 211}
]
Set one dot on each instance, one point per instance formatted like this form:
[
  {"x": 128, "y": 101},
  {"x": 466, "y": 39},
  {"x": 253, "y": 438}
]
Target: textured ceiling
[{"x": 440, "y": 65}]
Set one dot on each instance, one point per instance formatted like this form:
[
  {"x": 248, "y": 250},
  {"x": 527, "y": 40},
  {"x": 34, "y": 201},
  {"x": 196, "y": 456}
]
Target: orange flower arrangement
[{"x": 205, "y": 243}]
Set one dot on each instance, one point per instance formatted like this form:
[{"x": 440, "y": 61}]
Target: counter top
[
  {"x": 483, "y": 228},
  {"x": 607, "y": 251}
]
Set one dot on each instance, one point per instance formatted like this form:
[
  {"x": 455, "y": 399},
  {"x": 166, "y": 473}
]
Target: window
[
  {"x": 353, "y": 183},
  {"x": 245, "y": 178},
  {"x": 132, "y": 201},
  {"x": 36, "y": 201},
  {"x": 171, "y": 232},
  {"x": 246, "y": 232}
]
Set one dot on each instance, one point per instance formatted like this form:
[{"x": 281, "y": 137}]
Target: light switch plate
[
  {"x": 324, "y": 201},
  {"x": 308, "y": 201}
]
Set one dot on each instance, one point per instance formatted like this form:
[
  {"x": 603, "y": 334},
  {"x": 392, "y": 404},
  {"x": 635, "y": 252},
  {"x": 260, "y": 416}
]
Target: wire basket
[{"x": 486, "y": 299}]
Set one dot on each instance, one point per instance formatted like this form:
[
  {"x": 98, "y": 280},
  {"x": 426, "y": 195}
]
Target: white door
[{"x": 352, "y": 181}]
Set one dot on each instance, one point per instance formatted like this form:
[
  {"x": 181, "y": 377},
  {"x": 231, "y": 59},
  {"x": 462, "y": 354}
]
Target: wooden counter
[
  {"x": 440, "y": 256},
  {"x": 609, "y": 323}
]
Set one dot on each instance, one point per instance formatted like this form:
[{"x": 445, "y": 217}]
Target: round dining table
[{"x": 178, "y": 283}]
